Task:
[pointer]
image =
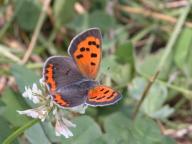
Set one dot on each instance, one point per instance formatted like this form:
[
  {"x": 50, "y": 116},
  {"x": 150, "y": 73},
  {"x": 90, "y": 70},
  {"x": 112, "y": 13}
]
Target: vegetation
[{"x": 147, "y": 56}]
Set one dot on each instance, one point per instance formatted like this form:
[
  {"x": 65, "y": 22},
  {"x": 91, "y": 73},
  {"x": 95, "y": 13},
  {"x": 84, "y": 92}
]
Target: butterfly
[{"x": 71, "y": 80}]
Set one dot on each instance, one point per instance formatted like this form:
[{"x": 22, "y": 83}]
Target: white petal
[
  {"x": 42, "y": 82},
  {"x": 35, "y": 99},
  {"x": 62, "y": 129},
  {"x": 55, "y": 111},
  {"x": 30, "y": 113},
  {"x": 40, "y": 112},
  {"x": 68, "y": 123},
  {"x": 36, "y": 90},
  {"x": 27, "y": 93}
]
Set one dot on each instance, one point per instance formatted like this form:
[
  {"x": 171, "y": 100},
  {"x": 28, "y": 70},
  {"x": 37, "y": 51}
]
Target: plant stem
[
  {"x": 19, "y": 131},
  {"x": 145, "y": 92},
  {"x": 152, "y": 14},
  {"x": 174, "y": 36},
  {"x": 167, "y": 52},
  {"x": 6, "y": 52},
  {"x": 187, "y": 93},
  {"x": 36, "y": 32}
]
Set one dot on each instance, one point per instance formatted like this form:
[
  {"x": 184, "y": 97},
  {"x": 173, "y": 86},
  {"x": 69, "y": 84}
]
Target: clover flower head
[{"x": 39, "y": 96}]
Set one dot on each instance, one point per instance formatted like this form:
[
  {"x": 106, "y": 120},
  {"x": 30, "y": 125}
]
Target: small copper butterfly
[{"x": 71, "y": 80}]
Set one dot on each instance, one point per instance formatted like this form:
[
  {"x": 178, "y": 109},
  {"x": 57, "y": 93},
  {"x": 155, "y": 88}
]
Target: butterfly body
[{"x": 71, "y": 80}]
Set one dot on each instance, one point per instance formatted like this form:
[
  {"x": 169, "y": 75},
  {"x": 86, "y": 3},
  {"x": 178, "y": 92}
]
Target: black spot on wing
[
  {"x": 111, "y": 95},
  {"x": 89, "y": 43},
  {"x": 106, "y": 92},
  {"x": 93, "y": 64},
  {"x": 82, "y": 49},
  {"x": 93, "y": 43},
  {"x": 93, "y": 55},
  {"x": 100, "y": 98},
  {"x": 79, "y": 56},
  {"x": 87, "y": 49}
]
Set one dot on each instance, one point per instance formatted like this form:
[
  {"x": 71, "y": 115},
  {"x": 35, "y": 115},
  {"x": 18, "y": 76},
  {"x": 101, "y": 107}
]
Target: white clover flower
[
  {"x": 33, "y": 93},
  {"x": 62, "y": 127},
  {"x": 46, "y": 105},
  {"x": 40, "y": 112}
]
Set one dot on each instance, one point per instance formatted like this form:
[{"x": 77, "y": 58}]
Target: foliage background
[{"x": 140, "y": 37}]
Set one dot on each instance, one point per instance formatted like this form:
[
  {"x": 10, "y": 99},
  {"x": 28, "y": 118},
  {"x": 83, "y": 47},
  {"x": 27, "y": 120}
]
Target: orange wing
[
  {"x": 102, "y": 95},
  {"x": 86, "y": 51}
]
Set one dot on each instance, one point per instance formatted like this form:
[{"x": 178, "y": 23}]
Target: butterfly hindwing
[
  {"x": 102, "y": 95},
  {"x": 73, "y": 95},
  {"x": 86, "y": 50}
]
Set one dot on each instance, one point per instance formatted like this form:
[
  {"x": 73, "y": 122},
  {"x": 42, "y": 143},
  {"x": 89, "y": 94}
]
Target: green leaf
[
  {"x": 125, "y": 53},
  {"x": 27, "y": 13},
  {"x": 49, "y": 131},
  {"x": 85, "y": 132},
  {"x": 24, "y": 77},
  {"x": 5, "y": 130},
  {"x": 79, "y": 23},
  {"x": 36, "y": 135},
  {"x": 188, "y": 63},
  {"x": 121, "y": 129},
  {"x": 119, "y": 73},
  {"x": 96, "y": 19},
  {"x": 13, "y": 103},
  {"x": 2, "y": 107},
  {"x": 148, "y": 65},
  {"x": 102, "y": 20},
  {"x": 153, "y": 103},
  {"x": 182, "y": 47},
  {"x": 63, "y": 11}
]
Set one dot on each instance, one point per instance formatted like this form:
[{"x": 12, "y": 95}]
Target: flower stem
[{"x": 19, "y": 131}]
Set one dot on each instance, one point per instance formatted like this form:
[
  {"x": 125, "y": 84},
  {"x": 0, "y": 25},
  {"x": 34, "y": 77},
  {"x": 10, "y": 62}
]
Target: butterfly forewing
[
  {"x": 62, "y": 76},
  {"x": 86, "y": 51},
  {"x": 60, "y": 71},
  {"x": 102, "y": 95}
]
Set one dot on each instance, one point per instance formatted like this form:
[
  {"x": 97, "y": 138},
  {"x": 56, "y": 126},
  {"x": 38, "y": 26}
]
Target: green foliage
[
  {"x": 183, "y": 47},
  {"x": 87, "y": 131},
  {"x": 153, "y": 104},
  {"x": 27, "y": 13},
  {"x": 121, "y": 129},
  {"x": 63, "y": 11},
  {"x": 114, "y": 70},
  {"x": 5, "y": 130},
  {"x": 135, "y": 44},
  {"x": 36, "y": 135},
  {"x": 149, "y": 65},
  {"x": 12, "y": 103},
  {"x": 24, "y": 76},
  {"x": 96, "y": 19}
]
